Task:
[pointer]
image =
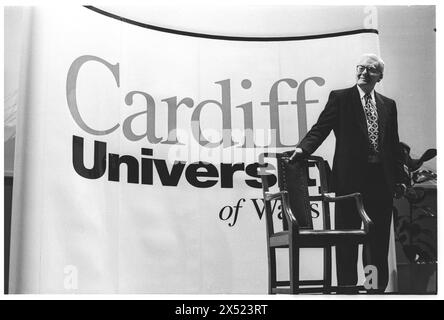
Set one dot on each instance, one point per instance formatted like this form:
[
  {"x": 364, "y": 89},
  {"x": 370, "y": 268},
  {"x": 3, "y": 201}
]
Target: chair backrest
[{"x": 294, "y": 178}]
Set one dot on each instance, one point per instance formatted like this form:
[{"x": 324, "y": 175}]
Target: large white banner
[{"x": 137, "y": 153}]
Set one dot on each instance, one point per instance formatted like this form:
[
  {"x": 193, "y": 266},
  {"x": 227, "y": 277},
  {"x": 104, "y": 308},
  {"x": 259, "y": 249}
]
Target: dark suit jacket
[{"x": 344, "y": 115}]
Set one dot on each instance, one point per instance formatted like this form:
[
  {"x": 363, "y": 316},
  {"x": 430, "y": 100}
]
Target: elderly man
[{"x": 366, "y": 160}]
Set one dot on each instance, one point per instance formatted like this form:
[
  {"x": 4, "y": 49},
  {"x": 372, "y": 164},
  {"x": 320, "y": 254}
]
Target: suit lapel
[
  {"x": 359, "y": 111},
  {"x": 382, "y": 116}
]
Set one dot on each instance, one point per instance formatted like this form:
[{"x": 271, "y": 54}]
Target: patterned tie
[{"x": 372, "y": 121}]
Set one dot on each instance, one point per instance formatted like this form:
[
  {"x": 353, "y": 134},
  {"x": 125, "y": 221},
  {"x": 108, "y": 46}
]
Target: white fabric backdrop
[{"x": 73, "y": 234}]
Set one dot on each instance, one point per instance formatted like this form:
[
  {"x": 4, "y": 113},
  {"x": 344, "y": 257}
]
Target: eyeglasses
[{"x": 370, "y": 69}]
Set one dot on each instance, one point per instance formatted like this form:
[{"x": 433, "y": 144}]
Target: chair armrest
[
  {"x": 273, "y": 196},
  {"x": 361, "y": 211},
  {"x": 283, "y": 196}
]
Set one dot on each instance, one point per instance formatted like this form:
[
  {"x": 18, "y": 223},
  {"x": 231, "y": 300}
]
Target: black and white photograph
[{"x": 237, "y": 150}]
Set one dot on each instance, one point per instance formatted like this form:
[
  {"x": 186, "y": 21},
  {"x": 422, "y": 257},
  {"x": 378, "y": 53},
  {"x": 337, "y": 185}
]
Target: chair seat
[{"x": 317, "y": 238}]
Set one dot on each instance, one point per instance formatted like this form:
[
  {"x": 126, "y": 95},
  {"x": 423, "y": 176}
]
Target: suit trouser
[{"x": 378, "y": 203}]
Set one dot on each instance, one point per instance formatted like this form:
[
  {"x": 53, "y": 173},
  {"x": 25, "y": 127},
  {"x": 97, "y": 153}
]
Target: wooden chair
[{"x": 298, "y": 232}]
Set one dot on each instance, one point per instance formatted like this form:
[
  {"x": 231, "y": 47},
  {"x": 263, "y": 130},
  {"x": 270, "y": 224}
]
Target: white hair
[{"x": 374, "y": 57}]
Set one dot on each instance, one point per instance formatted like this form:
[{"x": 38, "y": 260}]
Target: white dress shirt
[{"x": 362, "y": 94}]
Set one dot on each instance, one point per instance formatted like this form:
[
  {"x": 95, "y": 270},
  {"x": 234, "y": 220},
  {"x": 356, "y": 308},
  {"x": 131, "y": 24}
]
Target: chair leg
[
  {"x": 271, "y": 270},
  {"x": 327, "y": 270},
  {"x": 294, "y": 270}
]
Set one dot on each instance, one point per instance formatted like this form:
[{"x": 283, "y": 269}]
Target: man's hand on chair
[{"x": 298, "y": 153}]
